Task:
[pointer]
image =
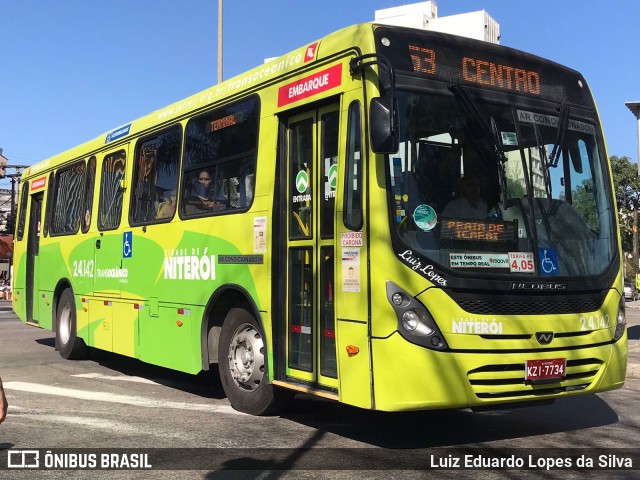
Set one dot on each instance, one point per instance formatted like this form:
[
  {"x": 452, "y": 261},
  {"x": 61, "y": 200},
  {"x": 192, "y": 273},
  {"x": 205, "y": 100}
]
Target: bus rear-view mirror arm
[{"x": 383, "y": 111}]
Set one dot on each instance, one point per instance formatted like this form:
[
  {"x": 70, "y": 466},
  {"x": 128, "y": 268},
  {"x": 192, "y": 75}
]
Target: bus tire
[
  {"x": 68, "y": 344},
  {"x": 242, "y": 363}
]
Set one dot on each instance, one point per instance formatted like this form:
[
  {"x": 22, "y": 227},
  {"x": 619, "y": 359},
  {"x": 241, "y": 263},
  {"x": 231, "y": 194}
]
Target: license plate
[{"x": 550, "y": 369}]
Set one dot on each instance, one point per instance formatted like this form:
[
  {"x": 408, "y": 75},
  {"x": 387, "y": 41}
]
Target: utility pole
[
  {"x": 219, "y": 41},
  {"x": 15, "y": 178},
  {"x": 634, "y": 238},
  {"x": 13, "y": 200}
]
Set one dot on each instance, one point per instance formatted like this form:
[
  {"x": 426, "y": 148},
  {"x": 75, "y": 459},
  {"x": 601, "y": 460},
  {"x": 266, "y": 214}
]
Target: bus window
[
  {"x": 111, "y": 193},
  {"x": 220, "y": 159},
  {"x": 90, "y": 180},
  {"x": 24, "y": 196},
  {"x": 67, "y": 203},
  {"x": 329, "y": 172},
  {"x": 301, "y": 178},
  {"x": 156, "y": 178},
  {"x": 353, "y": 184},
  {"x": 49, "y": 208}
]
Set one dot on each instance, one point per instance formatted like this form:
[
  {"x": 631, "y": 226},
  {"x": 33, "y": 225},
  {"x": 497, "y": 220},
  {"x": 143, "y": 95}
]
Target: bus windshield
[{"x": 480, "y": 190}]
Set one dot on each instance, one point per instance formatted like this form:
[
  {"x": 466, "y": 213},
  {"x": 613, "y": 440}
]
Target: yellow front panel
[
  {"x": 410, "y": 377},
  {"x": 353, "y": 369}
]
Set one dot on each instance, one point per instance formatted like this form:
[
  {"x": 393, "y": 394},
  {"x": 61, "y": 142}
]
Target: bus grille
[
  {"x": 507, "y": 381},
  {"x": 506, "y": 305}
]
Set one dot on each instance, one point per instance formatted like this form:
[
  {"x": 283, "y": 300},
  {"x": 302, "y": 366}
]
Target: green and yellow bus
[{"x": 395, "y": 219}]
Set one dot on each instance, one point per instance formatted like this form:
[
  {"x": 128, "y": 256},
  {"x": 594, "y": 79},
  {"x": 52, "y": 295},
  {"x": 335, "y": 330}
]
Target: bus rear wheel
[
  {"x": 68, "y": 344},
  {"x": 242, "y": 364}
]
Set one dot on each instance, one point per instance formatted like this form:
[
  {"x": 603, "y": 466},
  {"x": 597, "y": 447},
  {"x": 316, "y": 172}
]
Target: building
[
  {"x": 424, "y": 15},
  {"x": 5, "y": 208}
]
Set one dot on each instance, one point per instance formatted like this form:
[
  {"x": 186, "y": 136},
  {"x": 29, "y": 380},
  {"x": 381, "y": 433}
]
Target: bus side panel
[
  {"x": 18, "y": 281},
  {"x": 56, "y": 267},
  {"x": 172, "y": 338},
  {"x": 100, "y": 319},
  {"x": 45, "y": 309},
  {"x": 354, "y": 373},
  {"x": 82, "y": 318},
  {"x": 125, "y": 328},
  {"x": 52, "y": 267},
  {"x": 183, "y": 268}
]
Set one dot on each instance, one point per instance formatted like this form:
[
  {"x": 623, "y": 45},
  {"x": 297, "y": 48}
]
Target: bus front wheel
[
  {"x": 242, "y": 364},
  {"x": 68, "y": 344}
]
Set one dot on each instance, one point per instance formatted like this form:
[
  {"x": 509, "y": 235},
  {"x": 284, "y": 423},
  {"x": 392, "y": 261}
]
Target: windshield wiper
[
  {"x": 490, "y": 137},
  {"x": 552, "y": 160},
  {"x": 544, "y": 165},
  {"x": 563, "y": 126},
  {"x": 489, "y": 134}
]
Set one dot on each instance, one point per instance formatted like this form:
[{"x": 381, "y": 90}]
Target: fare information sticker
[{"x": 521, "y": 262}]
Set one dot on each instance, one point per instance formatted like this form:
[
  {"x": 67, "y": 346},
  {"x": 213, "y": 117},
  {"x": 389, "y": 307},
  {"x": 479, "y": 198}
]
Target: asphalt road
[{"x": 185, "y": 423}]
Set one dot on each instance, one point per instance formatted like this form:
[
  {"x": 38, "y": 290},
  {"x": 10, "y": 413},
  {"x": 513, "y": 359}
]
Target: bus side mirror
[{"x": 384, "y": 125}]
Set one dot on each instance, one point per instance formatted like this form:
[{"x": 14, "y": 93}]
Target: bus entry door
[
  {"x": 312, "y": 162},
  {"x": 33, "y": 249}
]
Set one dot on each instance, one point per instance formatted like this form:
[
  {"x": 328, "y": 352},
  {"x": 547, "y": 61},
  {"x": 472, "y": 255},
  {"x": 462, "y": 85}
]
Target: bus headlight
[
  {"x": 621, "y": 322},
  {"x": 415, "y": 323},
  {"x": 410, "y": 320}
]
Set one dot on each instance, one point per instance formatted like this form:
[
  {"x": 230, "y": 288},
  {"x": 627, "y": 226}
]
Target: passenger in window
[
  {"x": 468, "y": 204},
  {"x": 145, "y": 185},
  {"x": 210, "y": 195},
  {"x": 167, "y": 208},
  {"x": 86, "y": 220}
]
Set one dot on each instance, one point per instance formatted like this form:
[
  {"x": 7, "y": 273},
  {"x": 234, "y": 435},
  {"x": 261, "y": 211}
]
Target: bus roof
[
  {"x": 360, "y": 35},
  {"x": 236, "y": 86}
]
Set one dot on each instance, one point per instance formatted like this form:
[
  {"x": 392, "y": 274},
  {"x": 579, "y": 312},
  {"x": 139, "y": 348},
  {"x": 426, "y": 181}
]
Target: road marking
[
  {"x": 116, "y": 398},
  {"x": 114, "y": 377},
  {"x": 88, "y": 422}
]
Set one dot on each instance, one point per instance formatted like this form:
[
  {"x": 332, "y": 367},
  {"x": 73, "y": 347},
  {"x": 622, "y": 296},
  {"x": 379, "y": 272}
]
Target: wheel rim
[
  {"x": 246, "y": 357},
  {"x": 64, "y": 324}
]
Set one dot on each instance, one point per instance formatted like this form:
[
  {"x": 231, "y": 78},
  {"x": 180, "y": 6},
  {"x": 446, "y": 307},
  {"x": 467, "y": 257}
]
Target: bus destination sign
[
  {"x": 477, "y": 230},
  {"x": 450, "y": 58},
  {"x": 480, "y": 71}
]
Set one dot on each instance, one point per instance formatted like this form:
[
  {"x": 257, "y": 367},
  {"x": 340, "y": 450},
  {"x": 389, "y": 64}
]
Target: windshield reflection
[{"x": 454, "y": 201}]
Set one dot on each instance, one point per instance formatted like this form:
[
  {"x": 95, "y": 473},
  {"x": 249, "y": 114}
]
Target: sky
[{"x": 71, "y": 70}]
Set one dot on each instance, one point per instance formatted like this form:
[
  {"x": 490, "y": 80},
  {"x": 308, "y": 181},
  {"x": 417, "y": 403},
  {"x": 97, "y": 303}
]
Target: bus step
[{"x": 306, "y": 389}]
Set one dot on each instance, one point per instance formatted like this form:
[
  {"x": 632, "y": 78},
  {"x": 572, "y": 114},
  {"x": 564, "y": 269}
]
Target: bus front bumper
[{"x": 410, "y": 377}]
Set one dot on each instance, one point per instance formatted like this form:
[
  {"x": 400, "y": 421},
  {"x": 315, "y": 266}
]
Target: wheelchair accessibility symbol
[
  {"x": 548, "y": 262},
  {"x": 127, "y": 244}
]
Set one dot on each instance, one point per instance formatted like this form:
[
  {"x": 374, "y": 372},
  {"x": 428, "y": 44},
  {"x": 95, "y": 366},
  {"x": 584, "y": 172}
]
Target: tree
[{"x": 626, "y": 184}]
